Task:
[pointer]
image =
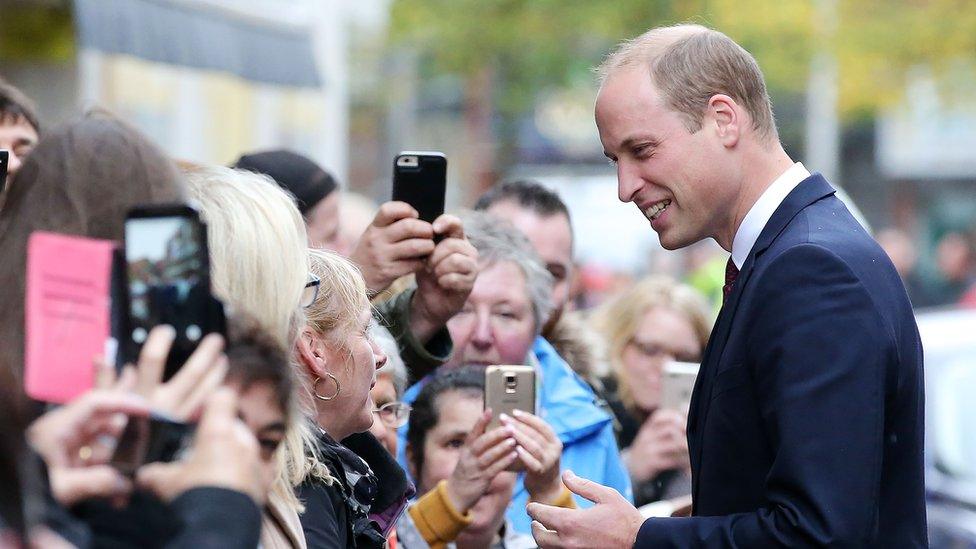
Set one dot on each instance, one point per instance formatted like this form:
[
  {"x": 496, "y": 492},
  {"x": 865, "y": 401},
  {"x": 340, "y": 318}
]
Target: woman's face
[
  {"x": 260, "y": 411},
  {"x": 458, "y": 411},
  {"x": 496, "y": 325},
  {"x": 353, "y": 360},
  {"x": 662, "y": 335},
  {"x": 322, "y": 223}
]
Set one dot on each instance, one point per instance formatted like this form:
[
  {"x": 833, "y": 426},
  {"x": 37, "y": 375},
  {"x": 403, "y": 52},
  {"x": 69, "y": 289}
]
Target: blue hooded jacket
[{"x": 569, "y": 405}]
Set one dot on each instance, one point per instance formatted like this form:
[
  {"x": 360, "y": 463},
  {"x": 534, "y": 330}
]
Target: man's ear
[
  {"x": 311, "y": 352},
  {"x": 726, "y": 118}
]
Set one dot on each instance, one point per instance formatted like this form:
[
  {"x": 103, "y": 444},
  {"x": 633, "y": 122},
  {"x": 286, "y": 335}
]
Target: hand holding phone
[
  {"x": 420, "y": 179},
  {"x": 161, "y": 436}
]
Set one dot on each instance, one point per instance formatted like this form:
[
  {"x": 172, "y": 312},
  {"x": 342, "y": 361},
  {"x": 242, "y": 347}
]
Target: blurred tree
[
  {"x": 528, "y": 46},
  {"x": 36, "y": 30}
]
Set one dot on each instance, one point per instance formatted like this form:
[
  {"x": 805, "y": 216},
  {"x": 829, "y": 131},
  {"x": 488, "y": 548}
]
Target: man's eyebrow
[
  {"x": 629, "y": 143},
  {"x": 649, "y": 141}
]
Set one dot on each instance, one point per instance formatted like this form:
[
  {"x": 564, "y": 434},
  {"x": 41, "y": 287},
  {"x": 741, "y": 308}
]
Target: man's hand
[
  {"x": 224, "y": 454},
  {"x": 610, "y": 524},
  {"x": 660, "y": 445},
  {"x": 483, "y": 456},
  {"x": 72, "y": 442},
  {"x": 540, "y": 451},
  {"x": 445, "y": 281},
  {"x": 396, "y": 244}
]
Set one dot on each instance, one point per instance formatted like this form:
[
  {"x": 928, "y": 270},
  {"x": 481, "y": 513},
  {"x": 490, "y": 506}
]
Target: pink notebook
[{"x": 67, "y": 313}]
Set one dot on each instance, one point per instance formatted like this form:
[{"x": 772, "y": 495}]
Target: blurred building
[{"x": 206, "y": 79}]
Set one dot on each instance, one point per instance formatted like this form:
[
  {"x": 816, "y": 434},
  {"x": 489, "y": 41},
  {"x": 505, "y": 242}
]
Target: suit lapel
[{"x": 807, "y": 192}]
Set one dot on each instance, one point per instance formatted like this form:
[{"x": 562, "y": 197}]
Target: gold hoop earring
[{"x": 315, "y": 386}]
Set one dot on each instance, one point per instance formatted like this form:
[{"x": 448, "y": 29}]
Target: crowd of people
[{"x": 344, "y": 404}]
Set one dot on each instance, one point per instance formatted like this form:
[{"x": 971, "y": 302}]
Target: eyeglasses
[
  {"x": 394, "y": 414},
  {"x": 311, "y": 291}
]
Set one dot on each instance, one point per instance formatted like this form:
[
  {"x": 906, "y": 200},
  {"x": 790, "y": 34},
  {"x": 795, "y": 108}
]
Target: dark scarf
[{"x": 373, "y": 507}]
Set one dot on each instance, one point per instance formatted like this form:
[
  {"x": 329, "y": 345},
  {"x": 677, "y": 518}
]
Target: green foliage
[
  {"x": 37, "y": 32},
  {"x": 533, "y": 45}
]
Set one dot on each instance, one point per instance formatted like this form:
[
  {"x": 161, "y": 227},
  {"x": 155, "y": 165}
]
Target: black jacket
[{"x": 361, "y": 507}]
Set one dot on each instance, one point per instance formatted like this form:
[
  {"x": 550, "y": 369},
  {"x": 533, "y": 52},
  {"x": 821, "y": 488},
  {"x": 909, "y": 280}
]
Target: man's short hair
[
  {"x": 689, "y": 64},
  {"x": 16, "y": 107},
  {"x": 529, "y": 194}
]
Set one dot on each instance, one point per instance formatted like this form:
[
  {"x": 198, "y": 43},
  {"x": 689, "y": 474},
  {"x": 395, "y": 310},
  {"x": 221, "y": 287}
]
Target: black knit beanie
[{"x": 299, "y": 175}]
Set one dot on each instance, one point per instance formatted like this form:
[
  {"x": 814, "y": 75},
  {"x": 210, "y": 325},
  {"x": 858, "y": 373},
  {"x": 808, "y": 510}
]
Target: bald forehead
[{"x": 643, "y": 50}]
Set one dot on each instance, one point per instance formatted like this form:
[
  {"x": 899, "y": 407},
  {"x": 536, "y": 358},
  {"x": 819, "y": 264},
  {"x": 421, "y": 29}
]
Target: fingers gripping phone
[
  {"x": 167, "y": 277},
  {"x": 509, "y": 388},
  {"x": 420, "y": 179}
]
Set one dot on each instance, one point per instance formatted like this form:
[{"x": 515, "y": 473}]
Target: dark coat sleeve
[
  {"x": 817, "y": 352},
  {"x": 216, "y": 517},
  {"x": 324, "y": 520}
]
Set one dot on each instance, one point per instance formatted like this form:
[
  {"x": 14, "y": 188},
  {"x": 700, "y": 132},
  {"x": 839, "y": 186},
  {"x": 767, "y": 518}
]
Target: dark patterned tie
[{"x": 731, "y": 272}]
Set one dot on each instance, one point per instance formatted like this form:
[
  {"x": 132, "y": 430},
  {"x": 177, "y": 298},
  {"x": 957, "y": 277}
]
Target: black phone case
[
  {"x": 4, "y": 159},
  {"x": 212, "y": 319},
  {"x": 422, "y": 186}
]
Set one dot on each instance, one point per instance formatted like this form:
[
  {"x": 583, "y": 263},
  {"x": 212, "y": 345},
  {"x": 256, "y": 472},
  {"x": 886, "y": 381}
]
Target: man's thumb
[{"x": 587, "y": 488}]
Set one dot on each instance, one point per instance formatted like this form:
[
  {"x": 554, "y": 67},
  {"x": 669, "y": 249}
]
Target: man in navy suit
[{"x": 806, "y": 424}]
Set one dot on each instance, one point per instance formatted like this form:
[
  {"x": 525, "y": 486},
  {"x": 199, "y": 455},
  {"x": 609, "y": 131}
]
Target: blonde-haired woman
[
  {"x": 338, "y": 362},
  {"x": 259, "y": 265},
  {"x": 655, "y": 321}
]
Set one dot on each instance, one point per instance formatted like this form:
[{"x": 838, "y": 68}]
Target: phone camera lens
[
  {"x": 193, "y": 332},
  {"x": 139, "y": 335}
]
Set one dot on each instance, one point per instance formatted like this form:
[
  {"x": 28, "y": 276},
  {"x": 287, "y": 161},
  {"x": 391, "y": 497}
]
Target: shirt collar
[{"x": 754, "y": 221}]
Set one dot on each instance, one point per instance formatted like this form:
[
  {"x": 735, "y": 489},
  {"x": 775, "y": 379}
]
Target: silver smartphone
[
  {"x": 509, "y": 388},
  {"x": 677, "y": 384}
]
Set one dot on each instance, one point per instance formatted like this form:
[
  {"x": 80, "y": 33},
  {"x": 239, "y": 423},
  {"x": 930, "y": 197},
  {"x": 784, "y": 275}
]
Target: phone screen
[
  {"x": 167, "y": 277},
  {"x": 165, "y": 273}
]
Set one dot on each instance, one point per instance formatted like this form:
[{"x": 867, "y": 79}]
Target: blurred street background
[{"x": 874, "y": 94}]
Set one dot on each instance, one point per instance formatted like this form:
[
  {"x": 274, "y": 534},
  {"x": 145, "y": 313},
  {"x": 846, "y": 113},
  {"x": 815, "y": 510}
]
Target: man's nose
[{"x": 627, "y": 182}]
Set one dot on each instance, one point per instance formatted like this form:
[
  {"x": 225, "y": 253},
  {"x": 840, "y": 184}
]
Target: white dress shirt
[{"x": 754, "y": 221}]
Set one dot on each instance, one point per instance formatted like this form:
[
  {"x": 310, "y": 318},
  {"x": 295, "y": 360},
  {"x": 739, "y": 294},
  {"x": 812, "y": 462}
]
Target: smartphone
[
  {"x": 151, "y": 439},
  {"x": 677, "y": 384},
  {"x": 420, "y": 179},
  {"x": 509, "y": 388},
  {"x": 167, "y": 278},
  {"x": 4, "y": 159}
]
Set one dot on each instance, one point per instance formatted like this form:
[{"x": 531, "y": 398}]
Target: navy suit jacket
[{"x": 806, "y": 423}]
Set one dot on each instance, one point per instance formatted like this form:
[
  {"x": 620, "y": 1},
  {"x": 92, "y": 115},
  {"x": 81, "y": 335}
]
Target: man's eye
[{"x": 455, "y": 443}]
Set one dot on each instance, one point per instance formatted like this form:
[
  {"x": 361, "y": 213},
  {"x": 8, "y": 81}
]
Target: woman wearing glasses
[
  {"x": 656, "y": 321},
  {"x": 338, "y": 359},
  {"x": 391, "y": 380}
]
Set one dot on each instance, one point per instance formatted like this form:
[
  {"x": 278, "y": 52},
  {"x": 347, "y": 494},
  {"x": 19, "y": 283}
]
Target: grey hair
[
  {"x": 394, "y": 367},
  {"x": 496, "y": 241}
]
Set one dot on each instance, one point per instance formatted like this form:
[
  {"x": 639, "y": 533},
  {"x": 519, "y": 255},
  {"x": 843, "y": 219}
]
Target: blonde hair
[
  {"x": 617, "y": 320},
  {"x": 689, "y": 64},
  {"x": 259, "y": 264},
  {"x": 334, "y": 314},
  {"x": 257, "y": 243}
]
